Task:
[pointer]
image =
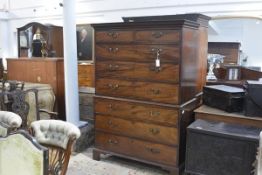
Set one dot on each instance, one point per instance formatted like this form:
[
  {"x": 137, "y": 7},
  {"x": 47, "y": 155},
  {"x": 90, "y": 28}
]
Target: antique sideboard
[{"x": 147, "y": 78}]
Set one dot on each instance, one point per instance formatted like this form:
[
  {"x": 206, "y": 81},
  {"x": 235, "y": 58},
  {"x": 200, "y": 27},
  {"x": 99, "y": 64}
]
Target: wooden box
[
  {"x": 217, "y": 148},
  {"x": 224, "y": 97}
]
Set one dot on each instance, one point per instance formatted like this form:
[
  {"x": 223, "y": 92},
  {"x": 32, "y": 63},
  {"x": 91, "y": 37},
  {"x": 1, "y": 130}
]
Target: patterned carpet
[{"x": 83, "y": 164}]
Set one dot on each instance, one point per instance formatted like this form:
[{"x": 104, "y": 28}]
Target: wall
[
  {"x": 20, "y": 12},
  {"x": 246, "y": 31}
]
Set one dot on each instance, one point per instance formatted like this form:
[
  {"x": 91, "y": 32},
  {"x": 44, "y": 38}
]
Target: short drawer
[
  {"x": 85, "y": 82},
  {"x": 139, "y": 71},
  {"x": 140, "y": 53},
  {"x": 114, "y": 36},
  {"x": 136, "y": 148},
  {"x": 158, "y": 35},
  {"x": 151, "y": 132},
  {"x": 156, "y": 92},
  {"x": 85, "y": 69},
  {"x": 137, "y": 111}
]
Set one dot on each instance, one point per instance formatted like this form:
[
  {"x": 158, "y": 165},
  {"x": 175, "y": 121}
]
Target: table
[{"x": 212, "y": 114}]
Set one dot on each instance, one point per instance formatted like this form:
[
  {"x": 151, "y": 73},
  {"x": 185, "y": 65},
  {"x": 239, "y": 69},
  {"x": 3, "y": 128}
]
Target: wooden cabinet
[
  {"x": 51, "y": 35},
  {"x": 147, "y": 79},
  {"x": 229, "y": 49},
  {"x": 86, "y": 75},
  {"x": 41, "y": 70}
]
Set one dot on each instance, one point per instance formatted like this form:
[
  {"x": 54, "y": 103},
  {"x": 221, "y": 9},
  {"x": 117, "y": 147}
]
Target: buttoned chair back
[
  {"x": 58, "y": 136},
  {"x": 9, "y": 121}
]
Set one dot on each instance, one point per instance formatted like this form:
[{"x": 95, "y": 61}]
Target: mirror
[{"x": 241, "y": 33}]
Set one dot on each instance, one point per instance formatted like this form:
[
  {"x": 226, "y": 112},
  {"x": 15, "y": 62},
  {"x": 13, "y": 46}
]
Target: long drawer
[
  {"x": 139, "y": 71},
  {"x": 132, "y": 128},
  {"x": 140, "y": 53},
  {"x": 137, "y": 111},
  {"x": 138, "y": 35},
  {"x": 136, "y": 148},
  {"x": 157, "y": 92}
]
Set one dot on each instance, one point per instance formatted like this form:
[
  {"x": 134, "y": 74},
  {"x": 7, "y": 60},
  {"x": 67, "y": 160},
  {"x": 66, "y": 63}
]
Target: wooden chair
[
  {"x": 15, "y": 101},
  {"x": 11, "y": 85},
  {"x": 21, "y": 154},
  {"x": 9, "y": 121},
  {"x": 58, "y": 136},
  {"x": 25, "y": 104}
]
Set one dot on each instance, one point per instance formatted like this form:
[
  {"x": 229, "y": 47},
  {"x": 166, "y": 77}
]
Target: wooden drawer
[
  {"x": 87, "y": 72},
  {"x": 158, "y": 36},
  {"x": 157, "y": 92},
  {"x": 136, "y": 148},
  {"x": 87, "y": 82},
  {"x": 137, "y": 111},
  {"x": 114, "y": 36},
  {"x": 140, "y": 53},
  {"x": 152, "y": 132},
  {"x": 139, "y": 71}
]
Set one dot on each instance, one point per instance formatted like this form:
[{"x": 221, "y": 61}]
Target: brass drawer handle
[
  {"x": 156, "y": 50},
  {"x": 113, "y": 50},
  {"x": 153, "y": 150},
  {"x": 154, "y": 131},
  {"x": 155, "y": 69},
  {"x": 111, "y": 107},
  {"x": 112, "y": 67},
  {"x": 157, "y": 34},
  {"x": 114, "y": 35},
  {"x": 154, "y": 113},
  {"x": 112, "y": 142},
  {"x": 113, "y": 86},
  {"x": 155, "y": 91},
  {"x": 111, "y": 124}
]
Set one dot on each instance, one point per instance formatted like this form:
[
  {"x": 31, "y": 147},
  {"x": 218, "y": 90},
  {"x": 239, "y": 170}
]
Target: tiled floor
[{"x": 83, "y": 164}]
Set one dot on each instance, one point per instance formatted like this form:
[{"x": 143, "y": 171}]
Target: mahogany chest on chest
[{"x": 147, "y": 77}]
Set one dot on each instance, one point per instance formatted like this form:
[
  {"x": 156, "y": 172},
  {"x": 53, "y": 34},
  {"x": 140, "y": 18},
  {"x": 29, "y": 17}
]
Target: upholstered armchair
[
  {"x": 259, "y": 157},
  {"x": 9, "y": 121},
  {"x": 58, "y": 136},
  {"x": 21, "y": 154}
]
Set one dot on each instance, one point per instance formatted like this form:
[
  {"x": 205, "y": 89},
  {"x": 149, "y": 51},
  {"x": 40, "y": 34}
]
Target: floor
[{"x": 83, "y": 164}]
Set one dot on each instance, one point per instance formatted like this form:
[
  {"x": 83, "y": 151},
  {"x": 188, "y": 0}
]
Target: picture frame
[{"x": 84, "y": 33}]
